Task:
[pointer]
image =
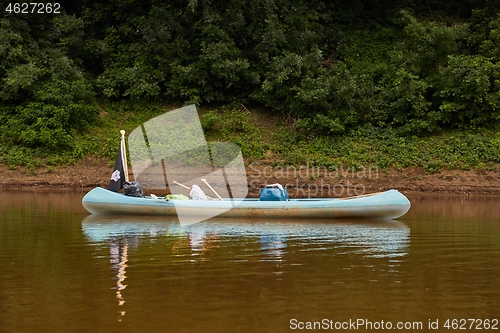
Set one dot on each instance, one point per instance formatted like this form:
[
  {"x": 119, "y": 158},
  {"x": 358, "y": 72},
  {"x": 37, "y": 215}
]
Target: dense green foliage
[
  {"x": 45, "y": 97},
  {"x": 335, "y": 68}
]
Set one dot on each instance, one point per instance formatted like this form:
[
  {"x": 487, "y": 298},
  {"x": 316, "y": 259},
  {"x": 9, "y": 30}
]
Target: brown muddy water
[{"x": 63, "y": 270}]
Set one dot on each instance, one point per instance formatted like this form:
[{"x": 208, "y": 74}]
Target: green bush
[
  {"x": 467, "y": 92},
  {"x": 45, "y": 98}
]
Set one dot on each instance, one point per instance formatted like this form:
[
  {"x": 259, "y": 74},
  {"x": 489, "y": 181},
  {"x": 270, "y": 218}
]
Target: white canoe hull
[{"x": 387, "y": 205}]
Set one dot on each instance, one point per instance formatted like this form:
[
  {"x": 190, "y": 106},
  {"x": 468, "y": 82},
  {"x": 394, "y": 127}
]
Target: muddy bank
[{"x": 302, "y": 182}]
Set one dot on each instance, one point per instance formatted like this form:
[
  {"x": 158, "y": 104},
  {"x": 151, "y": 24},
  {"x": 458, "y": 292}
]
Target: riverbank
[{"x": 91, "y": 172}]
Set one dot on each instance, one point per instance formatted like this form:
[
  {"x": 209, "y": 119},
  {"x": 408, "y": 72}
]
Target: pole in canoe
[
  {"x": 124, "y": 154},
  {"x": 181, "y": 185},
  {"x": 210, "y": 187},
  {"x": 120, "y": 170}
]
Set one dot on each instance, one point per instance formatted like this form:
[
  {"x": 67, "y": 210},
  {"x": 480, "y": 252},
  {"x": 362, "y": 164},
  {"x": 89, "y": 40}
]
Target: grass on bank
[{"x": 275, "y": 140}]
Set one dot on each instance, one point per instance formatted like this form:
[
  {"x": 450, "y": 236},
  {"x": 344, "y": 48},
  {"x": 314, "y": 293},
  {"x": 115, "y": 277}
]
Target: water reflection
[
  {"x": 369, "y": 238},
  {"x": 372, "y": 238},
  {"x": 118, "y": 249},
  {"x": 273, "y": 246}
]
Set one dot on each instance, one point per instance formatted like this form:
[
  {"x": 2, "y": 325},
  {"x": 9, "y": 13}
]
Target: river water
[{"x": 63, "y": 270}]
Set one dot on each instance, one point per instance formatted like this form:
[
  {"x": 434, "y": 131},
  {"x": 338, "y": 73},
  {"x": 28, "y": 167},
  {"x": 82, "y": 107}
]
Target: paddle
[
  {"x": 217, "y": 194},
  {"x": 186, "y": 187},
  {"x": 181, "y": 185}
]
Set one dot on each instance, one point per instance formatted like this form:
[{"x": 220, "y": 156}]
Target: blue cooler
[{"x": 273, "y": 194}]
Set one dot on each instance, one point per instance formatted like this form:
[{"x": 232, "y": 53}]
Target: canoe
[
  {"x": 157, "y": 154},
  {"x": 390, "y": 204}
]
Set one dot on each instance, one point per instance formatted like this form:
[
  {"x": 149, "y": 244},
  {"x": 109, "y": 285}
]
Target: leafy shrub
[
  {"x": 467, "y": 92},
  {"x": 404, "y": 103},
  {"x": 45, "y": 99},
  {"x": 283, "y": 79},
  {"x": 428, "y": 44}
]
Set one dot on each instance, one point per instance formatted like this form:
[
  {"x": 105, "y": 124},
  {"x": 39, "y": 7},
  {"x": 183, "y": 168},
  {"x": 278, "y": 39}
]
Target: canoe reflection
[{"x": 375, "y": 238}]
